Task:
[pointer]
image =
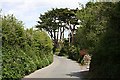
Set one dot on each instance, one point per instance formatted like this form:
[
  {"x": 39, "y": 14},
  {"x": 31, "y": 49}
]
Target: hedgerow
[{"x": 23, "y": 51}]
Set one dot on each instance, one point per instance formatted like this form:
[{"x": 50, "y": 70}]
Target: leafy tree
[
  {"x": 105, "y": 62},
  {"x": 56, "y": 21},
  {"x": 93, "y": 23},
  {"x": 99, "y": 33},
  {"x": 49, "y": 24}
]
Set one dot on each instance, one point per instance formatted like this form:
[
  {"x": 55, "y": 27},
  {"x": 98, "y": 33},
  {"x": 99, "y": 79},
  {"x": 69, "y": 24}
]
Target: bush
[
  {"x": 71, "y": 52},
  {"x": 23, "y": 51},
  {"x": 105, "y": 62},
  {"x": 64, "y": 48},
  {"x": 63, "y": 51}
]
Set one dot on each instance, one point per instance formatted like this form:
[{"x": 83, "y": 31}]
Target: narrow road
[{"x": 60, "y": 68}]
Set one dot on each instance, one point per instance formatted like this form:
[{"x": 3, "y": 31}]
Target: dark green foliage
[
  {"x": 73, "y": 53},
  {"x": 0, "y": 45},
  {"x": 23, "y": 51},
  {"x": 64, "y": 48},
  {"x": 93, "y": 25},
  {"x": 56, "y": 21},
  {"x": 105, "y": 61},
  {"x": 99, "y": 33},
  {"x": 70, "y": 51},
  {"x": 63, "y": 51}
]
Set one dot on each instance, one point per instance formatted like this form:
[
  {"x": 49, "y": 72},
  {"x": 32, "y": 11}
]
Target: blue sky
[{"x": 28, "y": 11}]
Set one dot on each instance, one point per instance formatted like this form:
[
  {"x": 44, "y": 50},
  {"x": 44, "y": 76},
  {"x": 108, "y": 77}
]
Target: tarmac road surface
[{"x": 60, "y": 68}]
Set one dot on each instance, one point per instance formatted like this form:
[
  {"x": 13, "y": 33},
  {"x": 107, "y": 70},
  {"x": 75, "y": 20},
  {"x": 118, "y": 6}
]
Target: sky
[{"x": 29, "y": 11}]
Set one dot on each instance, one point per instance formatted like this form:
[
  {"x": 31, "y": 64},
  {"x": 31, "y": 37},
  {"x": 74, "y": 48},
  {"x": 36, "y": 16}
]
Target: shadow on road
[{"x": 82, "y": 75}]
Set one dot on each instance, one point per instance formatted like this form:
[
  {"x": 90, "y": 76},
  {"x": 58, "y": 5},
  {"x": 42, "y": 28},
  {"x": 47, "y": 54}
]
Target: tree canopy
[
  {"x": 56, "y": 21},
  {"x": 99, "y": 34}
]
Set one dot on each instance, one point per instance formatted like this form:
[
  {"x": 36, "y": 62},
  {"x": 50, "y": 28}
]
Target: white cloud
[{"x": 28, "y": 10}]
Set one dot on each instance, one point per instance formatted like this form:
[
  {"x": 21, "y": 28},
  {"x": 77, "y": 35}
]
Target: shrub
[
  {"x": 64, "y": 48},
  {"x": 105, "y": 62},
  {"x": 71, "y": 52},
  {"x": 23, "y": 51}
]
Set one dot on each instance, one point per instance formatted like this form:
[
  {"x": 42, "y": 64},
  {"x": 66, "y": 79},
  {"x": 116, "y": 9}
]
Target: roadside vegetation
[
  {"x": 23, "y": 51},
  {"x": 97, "y": 35},
  {"x": 93, "y": 30}
]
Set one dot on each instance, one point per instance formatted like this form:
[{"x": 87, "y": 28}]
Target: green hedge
[
  {"x": 105, "y": 61},
  {"x": 23, "y": 51}
]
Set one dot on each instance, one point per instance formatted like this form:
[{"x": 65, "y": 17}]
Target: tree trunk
[
  {"x": 70, "y": 34},
  {"x": 57, "y": 34},
  {"x": 60, "y": 34},
  {"x": 54, "y": 35},
  {"x": 63, "y": 33},
  {"x": 51, "y": 34},
  {"x": 73, "y": 34},
  {"x": 55, "y": 40}
]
